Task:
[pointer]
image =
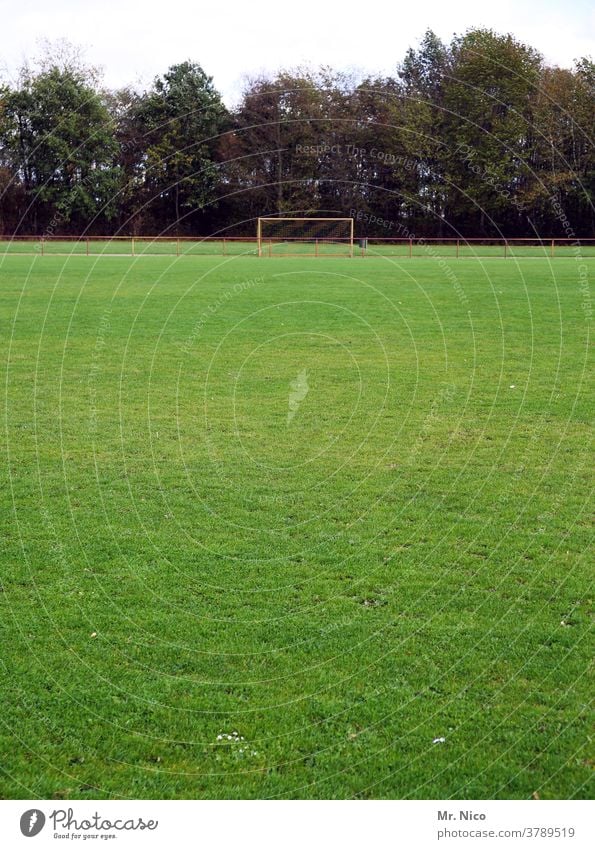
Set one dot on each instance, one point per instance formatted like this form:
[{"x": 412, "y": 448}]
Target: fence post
[
  {"x": 410, "y": 248},
  {"x": 505, "y": 247},
  {"x": 178, "y": 246},
  {"x": 224, "y": 246},
  {"x": 552, "y": 247},
  {"x": 315, "y": 247},
  {"x": 42, "y": 243},
  {"x": 87, "y": 240},
  {"x": 132, "y": 246},
  {"x": 457, "y": 248}
]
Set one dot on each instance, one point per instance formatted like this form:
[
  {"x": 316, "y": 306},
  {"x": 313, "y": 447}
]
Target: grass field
[{"x": 273, "y": 527}]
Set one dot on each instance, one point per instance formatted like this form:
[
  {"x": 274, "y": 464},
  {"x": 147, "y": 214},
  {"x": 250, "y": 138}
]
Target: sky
[{"x": 134, "y": 40}]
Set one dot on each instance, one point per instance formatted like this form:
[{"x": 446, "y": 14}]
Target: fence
[
  {"x": 248, "y": 246},
  {"x": 127, "y": 246},
  {"x": 477, "y": 248}
]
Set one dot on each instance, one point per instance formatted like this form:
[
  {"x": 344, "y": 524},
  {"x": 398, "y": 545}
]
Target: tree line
[{"x": 479, "y": 137}]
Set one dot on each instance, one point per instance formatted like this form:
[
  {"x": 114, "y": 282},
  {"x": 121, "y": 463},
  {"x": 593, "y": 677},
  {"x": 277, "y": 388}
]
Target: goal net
[{"x": 305, "y": 237}]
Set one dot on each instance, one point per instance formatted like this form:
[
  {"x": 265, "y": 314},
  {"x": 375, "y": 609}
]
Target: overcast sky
[{"x": 133, "y": 40}]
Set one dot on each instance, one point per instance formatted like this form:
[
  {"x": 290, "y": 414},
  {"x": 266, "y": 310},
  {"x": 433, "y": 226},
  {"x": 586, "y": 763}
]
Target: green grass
[{"x": 398, "y": 556}]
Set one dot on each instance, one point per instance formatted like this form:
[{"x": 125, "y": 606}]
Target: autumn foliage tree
[{"x": 478, "y": 137}]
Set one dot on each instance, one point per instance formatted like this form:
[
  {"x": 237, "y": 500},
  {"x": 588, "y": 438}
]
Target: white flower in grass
[{"x": 242, "y": 749}]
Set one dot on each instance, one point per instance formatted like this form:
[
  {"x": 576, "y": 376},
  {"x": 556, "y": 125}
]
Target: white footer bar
[{"x": 289, "y": 824}]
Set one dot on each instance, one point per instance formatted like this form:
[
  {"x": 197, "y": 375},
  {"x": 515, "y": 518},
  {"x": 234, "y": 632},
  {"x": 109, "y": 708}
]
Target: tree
[
  {"x": 278, "y": 124},
  {"x": 181, "y": 119},
  {"x": 424, "y": 76},
  {"x": 125, "y": 107},
  {"x": 477, "y": 137},
  {"x": 56, "y": 135},
  {"x": 562, "y": 153},
  {"x": 489, "y": 97}
]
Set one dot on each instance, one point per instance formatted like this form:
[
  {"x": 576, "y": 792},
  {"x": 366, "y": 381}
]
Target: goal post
[{"x": 305, "y": 237}]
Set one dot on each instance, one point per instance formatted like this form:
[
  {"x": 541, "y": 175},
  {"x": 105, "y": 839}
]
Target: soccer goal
[{"x": 305, "y": 237}]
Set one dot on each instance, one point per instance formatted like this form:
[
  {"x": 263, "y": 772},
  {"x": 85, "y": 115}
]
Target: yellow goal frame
[{"x": 309, "y": 220}]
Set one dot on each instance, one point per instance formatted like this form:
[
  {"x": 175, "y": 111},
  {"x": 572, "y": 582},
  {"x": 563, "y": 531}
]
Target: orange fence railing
[{"x": 371, "y": 246}]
